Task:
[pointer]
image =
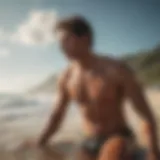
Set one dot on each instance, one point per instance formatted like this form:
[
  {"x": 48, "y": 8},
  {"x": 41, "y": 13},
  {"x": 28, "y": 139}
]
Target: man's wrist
[{"x": 42, "y": 141}]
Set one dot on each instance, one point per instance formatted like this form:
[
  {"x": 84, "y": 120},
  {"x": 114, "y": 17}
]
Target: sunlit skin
[{"x": 99, "y": 85}]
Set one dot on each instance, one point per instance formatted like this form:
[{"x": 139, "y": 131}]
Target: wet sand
[{"x": 60, "y": 151}]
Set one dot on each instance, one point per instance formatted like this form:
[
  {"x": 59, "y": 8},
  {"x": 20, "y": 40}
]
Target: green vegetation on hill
[{"x": 146, "y": 65}]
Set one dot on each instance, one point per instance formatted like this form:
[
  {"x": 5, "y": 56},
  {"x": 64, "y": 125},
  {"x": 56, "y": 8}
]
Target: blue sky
[{"x": 121, "y": 26}]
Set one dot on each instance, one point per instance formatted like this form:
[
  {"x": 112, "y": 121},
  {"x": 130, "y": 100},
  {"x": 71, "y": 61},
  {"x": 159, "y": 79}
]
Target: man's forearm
[
  {"x": 152, "y": 135},
  {"x": 52, "y": 127},
  {"x": 154, "y": 139},
  {"x": 46, "y": 135}
]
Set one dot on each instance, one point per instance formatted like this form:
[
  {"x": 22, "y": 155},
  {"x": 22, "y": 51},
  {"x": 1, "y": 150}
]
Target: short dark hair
[{"x": 77, "y": 25}]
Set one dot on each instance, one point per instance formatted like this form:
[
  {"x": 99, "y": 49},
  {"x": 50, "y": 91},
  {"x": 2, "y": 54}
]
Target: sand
[{"x": 14, "y": 133}]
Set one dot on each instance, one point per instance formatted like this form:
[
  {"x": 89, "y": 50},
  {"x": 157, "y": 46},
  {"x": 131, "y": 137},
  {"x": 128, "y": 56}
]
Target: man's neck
[{"x": 86, "y": 61}]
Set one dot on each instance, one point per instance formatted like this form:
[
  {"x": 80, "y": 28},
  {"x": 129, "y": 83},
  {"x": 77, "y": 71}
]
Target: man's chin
[{"x": 72, "y": 57}]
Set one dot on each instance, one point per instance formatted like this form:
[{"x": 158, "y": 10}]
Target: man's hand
[
  {"x": 32, "y": 143},
  {"x": 29, "y": 143},
  {"x": 154, "y": 155}
]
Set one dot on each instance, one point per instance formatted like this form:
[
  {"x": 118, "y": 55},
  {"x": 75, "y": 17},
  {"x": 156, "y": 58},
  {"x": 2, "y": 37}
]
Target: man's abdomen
[{"x": 102, "y": 121}]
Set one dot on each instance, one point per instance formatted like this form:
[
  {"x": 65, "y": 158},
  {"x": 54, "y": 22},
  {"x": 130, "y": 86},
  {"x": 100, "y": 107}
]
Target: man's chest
[{"x": 87, "y": 87}]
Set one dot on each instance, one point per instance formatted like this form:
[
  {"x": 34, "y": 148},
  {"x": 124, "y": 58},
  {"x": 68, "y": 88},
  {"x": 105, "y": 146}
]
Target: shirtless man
[{"x": 99, "y": 85}]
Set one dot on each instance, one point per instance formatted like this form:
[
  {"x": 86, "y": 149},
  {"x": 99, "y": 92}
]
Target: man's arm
[
  {"x": 58, "y": 114},
  {"x": 135, "y": 94}
]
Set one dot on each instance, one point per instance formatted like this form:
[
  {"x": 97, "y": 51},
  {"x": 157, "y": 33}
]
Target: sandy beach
[{"x": 19, "y": 124}]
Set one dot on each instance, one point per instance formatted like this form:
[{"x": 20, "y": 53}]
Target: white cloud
[
  {"x": 4, "y": 52},
  {"x": 37, "y": 29}
]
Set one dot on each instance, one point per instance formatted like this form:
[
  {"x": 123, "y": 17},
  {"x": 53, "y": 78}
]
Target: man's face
[{"x": 71, "y": 44}]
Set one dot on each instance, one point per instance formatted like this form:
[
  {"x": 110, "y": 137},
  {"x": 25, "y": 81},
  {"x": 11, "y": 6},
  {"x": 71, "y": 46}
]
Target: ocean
[{"x": 24, "y": 116}]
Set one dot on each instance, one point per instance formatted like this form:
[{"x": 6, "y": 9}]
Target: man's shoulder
[
  {"x": 64, "y": 75},
  {"x": 113, "y": 62},
  {"x": 116, "y": 67}
]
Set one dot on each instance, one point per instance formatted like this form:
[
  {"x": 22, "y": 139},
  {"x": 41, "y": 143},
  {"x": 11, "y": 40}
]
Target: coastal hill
[{"x": 145, "y": 63}]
